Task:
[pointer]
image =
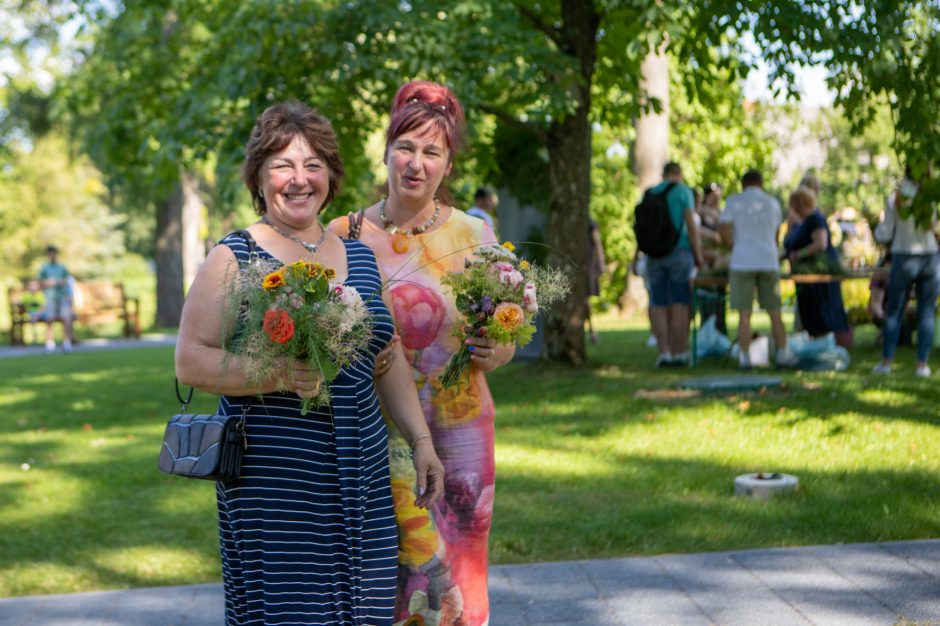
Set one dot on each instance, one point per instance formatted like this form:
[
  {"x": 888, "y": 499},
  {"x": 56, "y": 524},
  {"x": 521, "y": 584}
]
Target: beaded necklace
[
  {"x": 390, "y": 227},
  {"x": 310, "y": 247}
]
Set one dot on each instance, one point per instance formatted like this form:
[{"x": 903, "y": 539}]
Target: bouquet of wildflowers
[
  {"x": 295, "y": 311},
  {"x": 500, "y": 295}
]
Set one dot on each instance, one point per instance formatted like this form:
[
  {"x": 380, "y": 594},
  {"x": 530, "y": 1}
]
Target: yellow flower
[
  {"x": 524, "y": 265},
  {"x": 509, "y": 315},
  {"x": 508, "y": 245},
  {"x": 273, "y": 280},
  {"x": 298, "y": 269},
  {"x": 329, "y": 273}
]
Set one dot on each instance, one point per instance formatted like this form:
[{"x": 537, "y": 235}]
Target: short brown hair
[
  {"x": 803, "y": 198},
  {"x": 275, "y": 129}
]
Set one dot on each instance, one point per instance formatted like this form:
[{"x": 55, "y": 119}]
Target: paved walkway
[
  {"x": 880, "y": 584},
  {"x": 91, "y": 345}
]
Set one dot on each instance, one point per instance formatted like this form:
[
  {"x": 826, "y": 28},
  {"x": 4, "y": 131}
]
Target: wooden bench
[{"x": 93, "y": 302}]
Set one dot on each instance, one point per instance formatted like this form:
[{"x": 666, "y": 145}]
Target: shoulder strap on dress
[{"x": 355, "y": 224}]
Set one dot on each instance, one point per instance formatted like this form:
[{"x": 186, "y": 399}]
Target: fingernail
[
  {"x": 470, "y": 348},
  {"x": 421, "y": 491}
]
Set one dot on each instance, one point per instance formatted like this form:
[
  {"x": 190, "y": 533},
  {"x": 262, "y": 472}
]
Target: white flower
[{"x": 354, "y": 309}]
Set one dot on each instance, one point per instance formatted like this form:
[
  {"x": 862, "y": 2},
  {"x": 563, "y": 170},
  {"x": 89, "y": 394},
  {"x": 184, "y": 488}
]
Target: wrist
[{"x": 414, "y": 444}]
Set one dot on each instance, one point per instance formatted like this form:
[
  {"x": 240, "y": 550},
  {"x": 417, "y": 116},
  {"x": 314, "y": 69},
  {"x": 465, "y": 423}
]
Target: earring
[{"x": 261, "y": 194}]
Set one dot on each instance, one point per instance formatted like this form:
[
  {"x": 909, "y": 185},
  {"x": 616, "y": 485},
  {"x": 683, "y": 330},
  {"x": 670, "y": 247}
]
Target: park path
[{"x": 873, "y": 584}]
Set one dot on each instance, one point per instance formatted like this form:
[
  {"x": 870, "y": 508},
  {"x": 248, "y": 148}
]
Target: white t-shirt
[{"x": 755, "y": 216}]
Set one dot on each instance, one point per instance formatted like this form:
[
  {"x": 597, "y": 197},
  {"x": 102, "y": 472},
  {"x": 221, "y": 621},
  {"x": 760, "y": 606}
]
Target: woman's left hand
[
  {"x": 430, "y": 473},
  {"x": 487, "y": 355}
]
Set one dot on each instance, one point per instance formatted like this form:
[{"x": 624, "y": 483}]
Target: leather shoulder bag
[
  {"x": 206, "y": 446},
  {"x": 203, "y": 446}
]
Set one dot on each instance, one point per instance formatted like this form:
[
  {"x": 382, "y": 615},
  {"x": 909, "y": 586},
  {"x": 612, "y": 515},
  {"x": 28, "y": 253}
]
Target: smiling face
[
  {"x": 417, "y": 162},
  {"x": 295, "y": 183}
]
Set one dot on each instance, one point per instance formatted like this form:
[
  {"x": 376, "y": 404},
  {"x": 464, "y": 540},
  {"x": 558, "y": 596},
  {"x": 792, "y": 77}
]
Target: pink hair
[{"x": 420, "y": 102}]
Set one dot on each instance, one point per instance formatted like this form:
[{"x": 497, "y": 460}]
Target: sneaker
[
  {"x": 651, "y": 341},
  {"x": 682, "y": 359},
  {"x": 786, "y": 358},
  {"x": 50, "y": 347},
  {"x": 664, "y": 360},
  {"x": 66, "y": 346},
  {"x": 593, "y": 336},
  {"x": 744, "y": 361},
  {"x": 922, "y": 371},
  {"x": 885, "y": 368}
]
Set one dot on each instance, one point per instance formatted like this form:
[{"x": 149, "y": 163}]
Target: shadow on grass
[{"x": 644, "y": 506}]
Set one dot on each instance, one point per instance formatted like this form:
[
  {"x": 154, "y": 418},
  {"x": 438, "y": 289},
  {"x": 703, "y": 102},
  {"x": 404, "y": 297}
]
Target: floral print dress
[{"x": 442, "y": 556}]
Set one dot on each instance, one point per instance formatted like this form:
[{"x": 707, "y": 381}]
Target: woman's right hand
[{"x": 301, "y": 378}]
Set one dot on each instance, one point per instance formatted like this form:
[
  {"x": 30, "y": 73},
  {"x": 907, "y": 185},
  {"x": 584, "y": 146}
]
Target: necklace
[
  {"x": 310, "y": 247},
  {"x": 390, "y": 227}
]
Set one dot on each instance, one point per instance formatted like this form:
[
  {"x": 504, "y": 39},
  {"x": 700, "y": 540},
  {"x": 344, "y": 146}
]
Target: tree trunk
[
  {"x": 194, "y": 249},
  {"x": 169, "y": 258},
  {"x": 569, "y": 177},
  {"x": 651, "y": 147}
]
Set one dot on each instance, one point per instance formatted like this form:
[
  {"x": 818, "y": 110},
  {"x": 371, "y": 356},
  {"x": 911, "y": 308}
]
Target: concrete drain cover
[{"x": 765, "y": 485}]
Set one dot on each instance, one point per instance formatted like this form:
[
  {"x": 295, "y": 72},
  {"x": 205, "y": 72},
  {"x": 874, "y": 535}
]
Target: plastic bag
[
  {"x": 819, "y": 354},
  {"x": 710, "y": 341},
  {"x": 758, "y": 351}
]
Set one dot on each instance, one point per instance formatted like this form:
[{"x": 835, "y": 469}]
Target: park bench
[{"x": 93, "y": 302}]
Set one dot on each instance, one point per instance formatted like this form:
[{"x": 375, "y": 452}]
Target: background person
[
  {"x": 820, "y": 304},
  {"x": 750, "y": 224},
  {"x": 54, "y": 278},
  {"x": 711, "y": 299},
  {"x": 415, "y": 231},
  {"x": 914, "y": 261},
  {"x": 306, "y": 532},
  {"x": 484, "y": 204},
  {"x": 669, "y": 276}
]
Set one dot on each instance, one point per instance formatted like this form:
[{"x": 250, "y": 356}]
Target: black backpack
[{"x": 656, "y": 235}]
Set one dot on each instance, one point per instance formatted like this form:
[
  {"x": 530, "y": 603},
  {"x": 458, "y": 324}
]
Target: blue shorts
[{"x": 669, "y": 278}]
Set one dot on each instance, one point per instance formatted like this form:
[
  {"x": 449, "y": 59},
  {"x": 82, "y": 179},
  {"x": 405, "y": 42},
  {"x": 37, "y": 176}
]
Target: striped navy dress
[{"x": 308, "y": 533}]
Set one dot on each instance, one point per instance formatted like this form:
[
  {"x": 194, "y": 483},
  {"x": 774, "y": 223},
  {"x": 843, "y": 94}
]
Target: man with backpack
[{"x": 667, "y": 233}]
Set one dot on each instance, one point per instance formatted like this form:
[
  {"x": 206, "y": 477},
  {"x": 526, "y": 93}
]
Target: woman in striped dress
[{"x": 307, "y": 531}]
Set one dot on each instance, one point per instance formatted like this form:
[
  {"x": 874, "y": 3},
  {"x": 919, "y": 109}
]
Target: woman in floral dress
[{"x": 417, "y": 235}]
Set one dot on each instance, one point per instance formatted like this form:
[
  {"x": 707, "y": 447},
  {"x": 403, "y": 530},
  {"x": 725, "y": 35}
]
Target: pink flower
[
  {"x": 529, "y": 302},
  {"x": 508, "y": 275},
  {"x": 419, "y": 313}
]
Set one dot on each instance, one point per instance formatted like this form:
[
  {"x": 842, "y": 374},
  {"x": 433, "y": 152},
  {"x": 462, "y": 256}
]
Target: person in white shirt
[
  {"x": 750, "y": 224},
  {"x": 914, "y": 262},
  {"x": 484, "y": 203}
]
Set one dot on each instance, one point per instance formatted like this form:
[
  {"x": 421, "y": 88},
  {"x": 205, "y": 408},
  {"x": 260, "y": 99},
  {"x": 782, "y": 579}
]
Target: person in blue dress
[
  {"x": 820, "y": 304},
  {"x": 308, "y": 533}
]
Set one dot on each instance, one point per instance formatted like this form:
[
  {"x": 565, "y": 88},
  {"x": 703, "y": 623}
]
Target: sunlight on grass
[
  {"x": 16, "y": 396},
  {"x": 157, "y": 562}
]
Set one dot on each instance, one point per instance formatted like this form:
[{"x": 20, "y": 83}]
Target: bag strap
[
  {"x": 252, "y": 245},
  {"x": 189, "y": 396},
  {"x": 355, "y": 224}
]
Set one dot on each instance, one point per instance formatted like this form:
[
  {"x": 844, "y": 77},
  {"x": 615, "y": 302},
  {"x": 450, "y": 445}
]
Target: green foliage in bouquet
[
  {"x": 295, "y": 311},
  {"x": 818, "y": 264},
  {"x": 500, "y": 296}
]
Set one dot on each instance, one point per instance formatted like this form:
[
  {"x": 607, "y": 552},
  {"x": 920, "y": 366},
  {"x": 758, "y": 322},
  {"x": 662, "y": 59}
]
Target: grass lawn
[{"x": 598, "y": 462}]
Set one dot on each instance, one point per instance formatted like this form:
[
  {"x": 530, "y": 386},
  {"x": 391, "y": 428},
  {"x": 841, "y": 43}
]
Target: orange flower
[
  {"x": 509, "y": 315},
  {"x": 278, "y": 325},
  {"x": 273, "y": 280},
  {"x": 329, "y": 273}
]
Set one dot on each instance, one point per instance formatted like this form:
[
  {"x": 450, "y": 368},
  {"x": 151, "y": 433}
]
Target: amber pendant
[{"x": 400, "y": 243}]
